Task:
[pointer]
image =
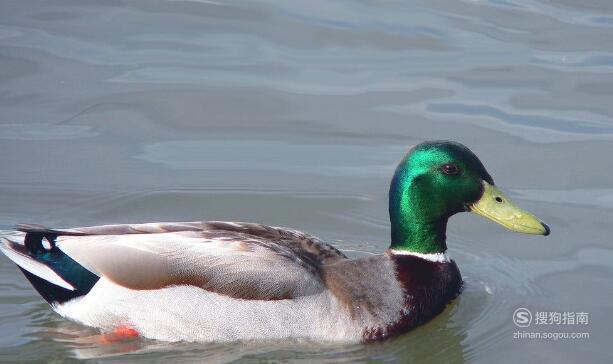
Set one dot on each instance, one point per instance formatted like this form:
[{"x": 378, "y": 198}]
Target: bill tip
[{"x": 547, "y": 229}]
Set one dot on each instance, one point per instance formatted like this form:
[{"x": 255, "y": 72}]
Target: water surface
[{"x": 295, "y": 114}]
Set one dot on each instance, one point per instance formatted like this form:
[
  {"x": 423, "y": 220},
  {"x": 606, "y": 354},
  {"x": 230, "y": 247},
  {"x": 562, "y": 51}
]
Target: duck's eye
[{"x": 450, "y": 169}]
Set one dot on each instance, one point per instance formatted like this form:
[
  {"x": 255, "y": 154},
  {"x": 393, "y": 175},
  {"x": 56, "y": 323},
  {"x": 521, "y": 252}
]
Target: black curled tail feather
[{"x": 40, "y": 245}]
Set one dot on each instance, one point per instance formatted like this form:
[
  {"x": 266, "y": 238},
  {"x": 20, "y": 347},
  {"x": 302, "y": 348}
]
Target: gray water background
[{"x": 295, "y": 113}]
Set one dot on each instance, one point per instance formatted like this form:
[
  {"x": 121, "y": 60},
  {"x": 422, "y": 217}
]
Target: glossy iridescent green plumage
[{"x": 422, "y": 197}]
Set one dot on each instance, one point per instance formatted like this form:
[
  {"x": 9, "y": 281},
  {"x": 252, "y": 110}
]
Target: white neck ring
[{"x": 432, "y": 257}]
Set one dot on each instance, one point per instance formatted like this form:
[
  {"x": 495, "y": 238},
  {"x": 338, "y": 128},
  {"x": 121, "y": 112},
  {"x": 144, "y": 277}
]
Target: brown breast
[{"x": 428, "y": 287}]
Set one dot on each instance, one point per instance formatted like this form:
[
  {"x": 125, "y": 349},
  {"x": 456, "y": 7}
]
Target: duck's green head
[{"x": 438, "y": 179}]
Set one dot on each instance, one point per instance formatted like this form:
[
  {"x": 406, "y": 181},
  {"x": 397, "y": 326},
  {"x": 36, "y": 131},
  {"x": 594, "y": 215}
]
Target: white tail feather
[{"x": 34, "y": 267}]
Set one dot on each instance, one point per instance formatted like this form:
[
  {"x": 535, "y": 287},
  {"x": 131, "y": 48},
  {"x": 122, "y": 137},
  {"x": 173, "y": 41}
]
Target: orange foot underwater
[{"x": 121, "y": 333}]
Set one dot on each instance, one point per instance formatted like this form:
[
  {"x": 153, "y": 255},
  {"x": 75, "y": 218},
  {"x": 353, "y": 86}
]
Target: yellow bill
[{"x": 497, "y": 207}]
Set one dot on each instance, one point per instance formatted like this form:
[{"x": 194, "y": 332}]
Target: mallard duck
[{"x": 225, "y": 281}]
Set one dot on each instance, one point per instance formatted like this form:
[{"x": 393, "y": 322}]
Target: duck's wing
[{"x": 241, "y": 260}]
